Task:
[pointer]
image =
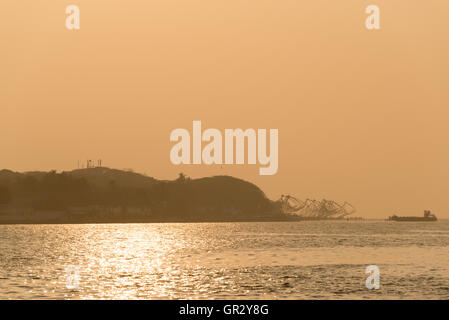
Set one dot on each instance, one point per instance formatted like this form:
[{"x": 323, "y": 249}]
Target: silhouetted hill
[
  {"x": 104, "y": 194},
  {"x": 229, "y": 191},
  {"x": 7, "y": 175},
  {"x": 102, "y": 177}
]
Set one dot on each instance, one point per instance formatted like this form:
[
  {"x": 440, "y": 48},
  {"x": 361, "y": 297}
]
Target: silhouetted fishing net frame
[{"x": 311, "y": 208}]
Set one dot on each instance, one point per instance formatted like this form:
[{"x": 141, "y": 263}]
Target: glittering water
[{"x": 290, "y": 260}]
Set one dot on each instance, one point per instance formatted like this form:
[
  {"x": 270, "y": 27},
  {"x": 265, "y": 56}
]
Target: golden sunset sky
[{"x": 363, "y": 116}]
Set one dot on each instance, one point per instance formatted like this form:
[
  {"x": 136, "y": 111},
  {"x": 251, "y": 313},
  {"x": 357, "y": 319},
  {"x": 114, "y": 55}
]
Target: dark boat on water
[{"x": 428, "y": 216}]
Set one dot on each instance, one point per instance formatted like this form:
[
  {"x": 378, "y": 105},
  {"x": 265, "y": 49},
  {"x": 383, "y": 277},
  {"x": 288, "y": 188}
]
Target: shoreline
[{"x": 139, "y": 220}]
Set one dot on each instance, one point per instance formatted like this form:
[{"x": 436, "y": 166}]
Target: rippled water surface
[{"x": 285, "y": 260}]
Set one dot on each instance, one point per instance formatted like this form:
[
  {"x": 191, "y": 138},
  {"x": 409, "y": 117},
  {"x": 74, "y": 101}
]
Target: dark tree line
[
  {"x": 5, "y": 195},
  {"x": 182, "y": 197}
]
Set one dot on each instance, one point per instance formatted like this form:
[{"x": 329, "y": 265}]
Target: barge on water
[{"x": 428, "y": 216}]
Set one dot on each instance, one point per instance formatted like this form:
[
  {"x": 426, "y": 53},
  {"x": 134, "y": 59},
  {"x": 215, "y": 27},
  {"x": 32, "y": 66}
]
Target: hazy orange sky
[{"x": 362, "y": 115}]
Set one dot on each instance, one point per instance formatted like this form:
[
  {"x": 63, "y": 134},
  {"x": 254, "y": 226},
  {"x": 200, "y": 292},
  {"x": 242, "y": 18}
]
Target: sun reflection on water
[{"x": 221, "y": 261}]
